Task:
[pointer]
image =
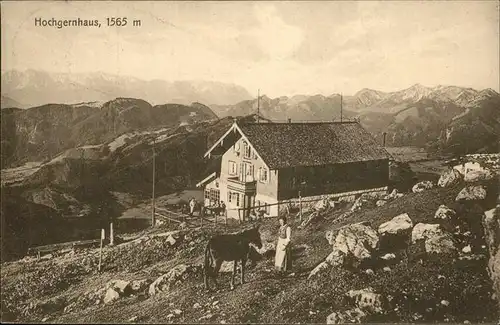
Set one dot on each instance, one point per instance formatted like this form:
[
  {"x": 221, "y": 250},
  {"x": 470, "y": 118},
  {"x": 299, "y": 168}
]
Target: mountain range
[
  {"x": 442, "y": 118},
  {"x": 23, "y": 89},
  {"x": 40, "y": 133}
]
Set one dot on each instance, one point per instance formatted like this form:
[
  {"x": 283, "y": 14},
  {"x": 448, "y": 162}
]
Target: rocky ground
[{"x": 422, "y": 256}]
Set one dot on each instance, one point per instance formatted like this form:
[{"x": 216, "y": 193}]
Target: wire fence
[{"x": 258, "y": 212}]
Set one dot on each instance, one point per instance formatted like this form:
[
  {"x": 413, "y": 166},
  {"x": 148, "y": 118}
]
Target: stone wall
[{"x": 309, "y": 202}]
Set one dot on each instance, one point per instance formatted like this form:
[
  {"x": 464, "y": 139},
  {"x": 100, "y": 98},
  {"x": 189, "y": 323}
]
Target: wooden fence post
[
  {"x": 202, "y": 215},
  {"x": 103, "y": 234},
  {"x": 111, "y": 235},
  {"x": 300, "y": 207}
]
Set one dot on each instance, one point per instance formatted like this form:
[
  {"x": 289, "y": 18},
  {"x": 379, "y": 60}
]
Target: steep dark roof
[{"x": 284, "y": 145}]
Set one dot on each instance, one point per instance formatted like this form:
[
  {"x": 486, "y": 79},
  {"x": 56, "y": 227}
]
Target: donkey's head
[{"x": 253, "y": 236}]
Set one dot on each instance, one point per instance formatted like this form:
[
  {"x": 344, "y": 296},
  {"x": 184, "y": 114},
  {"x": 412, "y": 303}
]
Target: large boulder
[
  {"x": 116, "y": 289},
  {"x": 355, "y": 315},
  {"x": 174, "y": 276},
  {"x": 393, "y": 195},
  {"x": 422, "y": 186},
  {"x": 320, "y": 268},
  {"x": 394, "y": 234},
  {"x": 336, "y": 258},
  {"x": 422, "y": 231},
  {"x": 111, "y": 296},
  {"x": 491, "y": 224},
  {"x": 440, "y": 244},
  {"x": 120, "y": 286},
  {"x": 357, "y": 239},
  {"x": 397, "y": 225},
  {"x": 436, "y": 240},
  {"x": 450, "y": 178},
  {"x": 138, "y": 286},
  {"x": 444, "y": 213},
  {"x": 366, "y": 299},
  {"x": 470, "y": 193},
  {"x": 478, "y": 176}
]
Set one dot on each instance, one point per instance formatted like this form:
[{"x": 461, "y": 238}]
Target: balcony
[{"x": 247, "y": 187}]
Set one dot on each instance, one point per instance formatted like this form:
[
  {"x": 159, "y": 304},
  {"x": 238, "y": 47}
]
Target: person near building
[{"x": 283, "y": 258}]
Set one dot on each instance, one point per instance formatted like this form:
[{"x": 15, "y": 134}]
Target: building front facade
[{"x": 265, "y": 166}]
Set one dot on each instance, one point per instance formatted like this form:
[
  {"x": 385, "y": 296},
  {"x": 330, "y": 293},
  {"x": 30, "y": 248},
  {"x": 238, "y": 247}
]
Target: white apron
[{"x": 281, "y": 260}]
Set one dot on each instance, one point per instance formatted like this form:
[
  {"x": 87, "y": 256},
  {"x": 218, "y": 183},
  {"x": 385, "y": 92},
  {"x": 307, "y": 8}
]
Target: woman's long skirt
[{"x": 283, "y": 258}]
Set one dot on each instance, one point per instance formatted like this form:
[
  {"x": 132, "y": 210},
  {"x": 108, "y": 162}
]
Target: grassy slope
[{"x": 266, "y": 298}]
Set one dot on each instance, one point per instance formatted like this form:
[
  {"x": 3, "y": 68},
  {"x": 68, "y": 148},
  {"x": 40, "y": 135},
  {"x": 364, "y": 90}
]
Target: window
[
  {"x": 232, "y": 168},
  {"x": 233, "y": 197},
  {"x": 263, "y": 175},
  {"x": 213, "y": 195},
  {"x": 249, "y": 175},
  {"x": 247, "y": 150}
]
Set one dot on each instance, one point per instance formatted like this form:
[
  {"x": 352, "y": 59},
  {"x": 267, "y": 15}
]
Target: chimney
[
  {"x": 383, "y": 143},
  {"x": 289, "y": 120}
]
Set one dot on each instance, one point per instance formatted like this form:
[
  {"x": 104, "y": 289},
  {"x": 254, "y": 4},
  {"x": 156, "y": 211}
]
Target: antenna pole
[
  {"x": 341, "y": 107},
  {"x": 153, "y": 216},
  {"x": 258, "y": 105}
]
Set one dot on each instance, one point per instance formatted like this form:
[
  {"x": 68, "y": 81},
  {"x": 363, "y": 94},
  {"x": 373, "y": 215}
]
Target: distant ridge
[{"x": 35, "y": 88}]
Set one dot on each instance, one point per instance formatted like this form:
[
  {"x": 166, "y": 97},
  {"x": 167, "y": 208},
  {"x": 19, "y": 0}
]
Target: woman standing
[{"x": 283, "y": 259}]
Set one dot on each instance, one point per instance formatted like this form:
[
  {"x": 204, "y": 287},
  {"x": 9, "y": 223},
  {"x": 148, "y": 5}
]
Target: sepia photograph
[{"x": 238, "y": 162}]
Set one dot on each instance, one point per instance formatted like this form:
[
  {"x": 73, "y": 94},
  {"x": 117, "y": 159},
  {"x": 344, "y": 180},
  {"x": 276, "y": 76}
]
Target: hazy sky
[{"x": 283, "y": 48}]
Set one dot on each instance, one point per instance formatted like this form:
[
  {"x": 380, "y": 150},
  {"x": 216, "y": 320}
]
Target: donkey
[{"x": 229, "y": 247}]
